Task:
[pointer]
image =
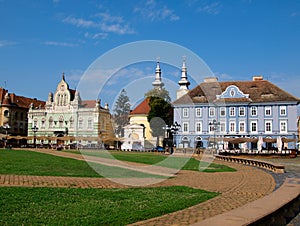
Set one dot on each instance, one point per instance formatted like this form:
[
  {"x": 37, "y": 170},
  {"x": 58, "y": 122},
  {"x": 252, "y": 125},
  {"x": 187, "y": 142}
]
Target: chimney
[
  {"x": 211, "y": 79},
  {"x": 12, "y": 97},
  {"x": 257, "y": 78}
]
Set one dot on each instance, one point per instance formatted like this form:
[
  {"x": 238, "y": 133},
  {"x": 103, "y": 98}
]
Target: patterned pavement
[{"x": 236, "y": 188}]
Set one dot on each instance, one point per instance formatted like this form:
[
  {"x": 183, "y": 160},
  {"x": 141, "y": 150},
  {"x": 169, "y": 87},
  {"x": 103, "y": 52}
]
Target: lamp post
[
  {"x": 34, "y": 129},
  {"x": 6, "y": 127},
  {"x": 172, "y": 130},
  {"x": 215, "y": 126}
]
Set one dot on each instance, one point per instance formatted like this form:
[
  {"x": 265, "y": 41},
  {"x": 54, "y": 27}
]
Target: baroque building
[
  {"x": 66, "y": 115},
  {"x": 13, "y": 112},
  {"x": 138, "y": 134},
  {"x": 236, "y": 114}
]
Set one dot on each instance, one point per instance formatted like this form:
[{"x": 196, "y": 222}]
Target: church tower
[
  {"x": 158, "y": 84},
  {"x": 183, "y": 82}
]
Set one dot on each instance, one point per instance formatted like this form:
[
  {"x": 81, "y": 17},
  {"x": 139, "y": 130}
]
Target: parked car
[{"x": 158, "y": 148}]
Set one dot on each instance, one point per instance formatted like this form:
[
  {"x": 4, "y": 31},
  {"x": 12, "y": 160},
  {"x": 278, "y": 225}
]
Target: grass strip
[
  {"x": 160, "y": 160},
  {"x": 69, "y": 206},
  {"x": 21, "y": 162}
]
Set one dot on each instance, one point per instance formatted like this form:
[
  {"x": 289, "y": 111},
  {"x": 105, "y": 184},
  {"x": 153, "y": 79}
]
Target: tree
[
  {"x": 160, "y": 113},
  {"x": 121, "y": 110}
]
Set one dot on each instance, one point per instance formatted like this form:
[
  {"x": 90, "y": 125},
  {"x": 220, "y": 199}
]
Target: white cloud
[
  {"x": 154, "y": 11},
  {"x": 209, "y": 8},
  {"x": 6, "y": 43},
  {"x": 223, "y": 76},
  {"x": 100, "y": 35},
  {"x": 103, "y": 22},
  {"x": 78, "y": 22},
  {"x": 52, "y": 43}
]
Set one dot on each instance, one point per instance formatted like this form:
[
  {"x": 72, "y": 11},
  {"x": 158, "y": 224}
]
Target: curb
[{"x": 275, "y": 209}]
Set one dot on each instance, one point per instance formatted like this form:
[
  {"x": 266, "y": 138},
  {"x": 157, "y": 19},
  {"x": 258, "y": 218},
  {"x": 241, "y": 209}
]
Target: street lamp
[
  {"x": 34, "y": 129},
  {"x": 215, "y": 126},
  {"x": 172, "y": 130},
  {"x": 6, "y": 127}
]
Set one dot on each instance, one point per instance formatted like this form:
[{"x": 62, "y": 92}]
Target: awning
[
  {"x": 287, "y": 140},
  {"x": 270, "y": 140}
]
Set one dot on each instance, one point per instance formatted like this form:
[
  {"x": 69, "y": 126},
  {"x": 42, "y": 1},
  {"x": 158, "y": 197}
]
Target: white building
[{"x": 66, "y": 115}]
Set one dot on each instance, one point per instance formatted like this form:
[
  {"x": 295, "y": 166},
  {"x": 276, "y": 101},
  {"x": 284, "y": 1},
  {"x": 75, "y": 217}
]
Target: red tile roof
[
  {"x": 88, "y": 103},
  {"x": 142, "y": 108},
  {"x": 19, "y": 101}
]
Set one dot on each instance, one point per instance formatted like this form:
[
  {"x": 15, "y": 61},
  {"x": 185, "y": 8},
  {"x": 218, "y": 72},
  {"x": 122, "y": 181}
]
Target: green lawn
[
  {"x": 160, "y": 160},
  {"x": 69, "y": 206},
  {"x": 21, "y": 162}
]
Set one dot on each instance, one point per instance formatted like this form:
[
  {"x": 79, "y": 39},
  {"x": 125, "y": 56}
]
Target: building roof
[
  {"x": 88, "y": 103},
  {"x": 12, "y": 100},
  {"x": 256, "y": 91},
  {"x": 142, "y": 108}
]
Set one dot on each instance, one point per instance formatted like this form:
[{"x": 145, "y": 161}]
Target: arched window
[
  {"x": 43, "y": 123},
  {"x": 80, "y": 123},
  {"x": 50, "y": 122},
  {"x": 35, "y": 122},
  {"x": 71, "y": 122},
  {"x": 61, "y": 121},
  {"x": 6, "y": 113}
]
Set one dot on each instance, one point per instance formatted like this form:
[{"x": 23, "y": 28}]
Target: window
[
  {"x": 211, "y": 127},
  {"x": 242, "y": 127},
  {"x": 185, "y": 127},
  {"x": 35, "y": 123},
  {"x": 16, "y": 115},
  {"x": 231, "y": 127},
  {"x": 50, "y": 122},
  {"x": 198, "y": 127},
  {"x": 232, "y": 111},
  {"x": 282, "y": 110},
  {"x": 21, "y": 127},
  {"x": 43, "y": 123},
  {"x": 80, "y": 123},
  {"x": 198, "y": 112},
  {"x": 222, "y": 127},
  {"x": 222, "y": 111},
  {"x": 185, "y": 112},
  {"x": 90, "y": 123},
  {"x": 241, "y": 111},
  {"x": 253, "y": 127},
  {"x": 283, "y": 126},
  {"x": 211, "y": 111},
  {"x": 268, "y": 111},
  {"x": 61, "y": 121},
  {"x": 6, "y": 113},
  {"x": 268, "y": 126},
  {"x": 71, "y": 122},
  {"x": 253, "y": 111}
]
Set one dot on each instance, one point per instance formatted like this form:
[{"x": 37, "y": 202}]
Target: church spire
[
  {"x": 183, "y": 82},
  {"x": 158, "y": 83}
]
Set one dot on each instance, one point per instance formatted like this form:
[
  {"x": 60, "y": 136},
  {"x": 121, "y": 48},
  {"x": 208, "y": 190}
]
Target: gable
[{"x": 232, "y": 91}]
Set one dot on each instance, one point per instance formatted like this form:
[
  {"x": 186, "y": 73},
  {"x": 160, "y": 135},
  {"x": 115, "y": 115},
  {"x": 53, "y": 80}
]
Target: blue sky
[{"x": 237, "y": 39}]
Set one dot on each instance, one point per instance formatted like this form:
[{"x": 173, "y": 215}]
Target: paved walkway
[{"x": 236, "y": 188}]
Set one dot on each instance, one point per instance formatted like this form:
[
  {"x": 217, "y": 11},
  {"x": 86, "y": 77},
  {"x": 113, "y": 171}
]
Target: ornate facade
[{"x": 66, "y": 115}]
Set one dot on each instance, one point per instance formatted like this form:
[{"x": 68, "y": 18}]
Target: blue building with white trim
[{"x": 248, "y": 115}]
